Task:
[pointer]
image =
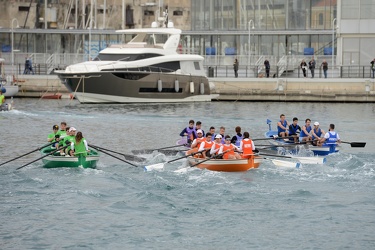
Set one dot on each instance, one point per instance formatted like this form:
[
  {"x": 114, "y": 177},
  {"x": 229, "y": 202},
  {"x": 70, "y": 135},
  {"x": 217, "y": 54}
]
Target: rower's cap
[
  {"x": 218, "y": 137},
  {"x": 199, "y": 131},
  {"x": 316, "y": 123},
  {"x": 72, "y": 129},
  {"x": 55, "y": 127}
]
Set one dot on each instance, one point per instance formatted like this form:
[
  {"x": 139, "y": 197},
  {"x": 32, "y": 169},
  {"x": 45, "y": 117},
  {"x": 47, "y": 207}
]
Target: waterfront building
[{"x": 59, "y": 32}]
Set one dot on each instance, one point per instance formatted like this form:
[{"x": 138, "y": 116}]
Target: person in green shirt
[
  {"x": 70, "y": 138},
  {"x": 54, "y": 136},
  {"x": 79, "y": 146},
  {"x": 2, "y": 99}
]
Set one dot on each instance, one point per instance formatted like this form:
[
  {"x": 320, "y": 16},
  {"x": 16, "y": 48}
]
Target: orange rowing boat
[{"x": 226, "y": 165}]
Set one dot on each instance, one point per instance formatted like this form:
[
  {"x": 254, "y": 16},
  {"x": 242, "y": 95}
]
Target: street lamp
[
  {"x": 12, "y": 38},
  {"x": 249, "y": 56},
  {"x": 333, "y": 42},
  {"x": 90, "y": 39}
]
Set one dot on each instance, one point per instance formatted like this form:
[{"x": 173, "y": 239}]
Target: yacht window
[
  {"x": 124, "y": 57},
  {"x": 196, "y": 66}
]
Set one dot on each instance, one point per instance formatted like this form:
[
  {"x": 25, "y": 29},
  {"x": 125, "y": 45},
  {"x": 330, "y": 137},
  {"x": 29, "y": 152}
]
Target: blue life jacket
[
  {"x": 279, "y": 130},
  {"x": 302, "y": 134},
  {"x": 293, "y": 129},
  {"x": 238, "y": 141},
  {"x": 318, "y": 133},
  {"x": 189, "y": 131},
  {"x": 332, "y": 139}
]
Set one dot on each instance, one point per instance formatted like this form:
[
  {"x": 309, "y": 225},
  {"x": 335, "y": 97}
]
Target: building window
[
  {"x": 320, "y": 19},
  {"x": 178, "y": 13},
  {"x": 23, "y": 8},
  {"x": 148, "y": 13}
]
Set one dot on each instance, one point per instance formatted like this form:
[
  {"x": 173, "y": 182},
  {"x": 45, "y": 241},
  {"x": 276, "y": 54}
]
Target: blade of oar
[
  {"x": 307, "y": 160},
  {"x": 356, "y": 144},
  {"x": 127, "y": 157},
  {"x": 287, "y": 164},
  {"x": 118, "y": 158},
  {"x": 49, "y": 144},
  {"x": 42, "y": 157},
  {"x": 161, "y": 165}
]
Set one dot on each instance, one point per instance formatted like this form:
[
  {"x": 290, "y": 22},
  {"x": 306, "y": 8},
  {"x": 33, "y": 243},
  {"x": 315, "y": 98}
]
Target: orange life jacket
[
  {"x": 199, "y": 141},
  {"x": 247, "y": 147},
  {"x": 208, "y": 144},
  {"x": 228, "y": 147}
]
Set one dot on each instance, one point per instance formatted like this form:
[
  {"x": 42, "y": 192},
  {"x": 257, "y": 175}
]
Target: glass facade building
[{"x": 221, "y": 30}]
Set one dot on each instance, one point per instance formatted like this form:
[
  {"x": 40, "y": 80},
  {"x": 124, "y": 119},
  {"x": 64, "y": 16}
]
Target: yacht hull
[{"x": 136, "y": 87}]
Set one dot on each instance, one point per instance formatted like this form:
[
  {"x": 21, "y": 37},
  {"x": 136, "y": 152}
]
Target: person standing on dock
[
  {"x": 304, "y": 68},
  {"x": 267, "y": 66},
  {"x": 312, "y": 64},
  {"x": 325, "y": 68},
  {"x": 235, "y": 68},
  {"x": 373, "y": 67}
]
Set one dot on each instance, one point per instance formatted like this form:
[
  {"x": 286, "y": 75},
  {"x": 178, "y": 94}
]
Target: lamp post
[
  {"x": 12, "y": 38},
  {"x": 90, "y": 39},
  {"x": 333, "y": 42},
  {"x": 249, "y": 56}
]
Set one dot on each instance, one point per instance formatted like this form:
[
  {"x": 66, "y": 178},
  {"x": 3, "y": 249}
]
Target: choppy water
[{"x": 118, "y": 206}]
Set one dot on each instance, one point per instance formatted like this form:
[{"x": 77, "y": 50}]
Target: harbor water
[{"x": 119, "y": 206}]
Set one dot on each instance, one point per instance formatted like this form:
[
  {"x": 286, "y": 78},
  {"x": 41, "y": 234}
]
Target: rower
[
  {"x": 305, "y": 132},
  {"x": 54, "y": 137},
  {"x": 247, "y": 146},
  {"x": 236, "y": 140},
  {"x": 188, "y": 131},
  {"x": 294, "y": 129},
  {"x": 216, "y": 146},
  {"x": 282, "y": 127},
  {"x": 317, "y": 134},
  {"x": 206, "y": 145},
  {"x": 196, "y": 143},
  {"x": 331, "y": 137},
  {"x": 227, "y": 149}
]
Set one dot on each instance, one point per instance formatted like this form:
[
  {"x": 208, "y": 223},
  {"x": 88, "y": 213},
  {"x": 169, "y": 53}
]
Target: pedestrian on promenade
[
  {"x": 267, "y": 66},
  {"x": 373, "y": 67},
  {"x": 304, "y": 68},
  {"x": 235, "y": 68},
  {"x": 312, "y": 64},
  {"x": 27, "y": 63},
  {"x": 325, "y": 68}
]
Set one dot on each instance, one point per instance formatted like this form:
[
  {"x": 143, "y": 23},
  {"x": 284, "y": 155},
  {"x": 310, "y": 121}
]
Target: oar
[
  {"x": 118, "y": 158},
  {"x": 279, "y": 162},
  {"x": 161, "y": 165},
  {"x": 356, "y": 144},
  {"x": 216, "y": 156},
  {"x": 49, "y": 144},
  {"x": 42, "y": 157},
  {"x": 307, "y": 160},
  {"x": 149, "y": 151},
  {"x": 271, "y": 138},
  {"x": 127, "y": 157}
]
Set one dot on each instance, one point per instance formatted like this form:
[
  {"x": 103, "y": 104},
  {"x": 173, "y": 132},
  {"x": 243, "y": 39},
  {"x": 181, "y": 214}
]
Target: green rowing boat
[{"x": 57, "y": 161}]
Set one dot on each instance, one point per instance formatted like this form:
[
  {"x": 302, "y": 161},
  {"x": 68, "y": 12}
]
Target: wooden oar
[
  {"x": 307, "y": 160},
  {"x": 118, "y": 158},
  {"x": 42, "y": 157},
  {"x": 271, "y": 138},
  {"x": 356, "y": 144},
  {"x": 49, "y": 144},
  {"x": 280, "y": 163},
  {"x": 161, "y": 165},
  {"x": 127, "y": 157}
]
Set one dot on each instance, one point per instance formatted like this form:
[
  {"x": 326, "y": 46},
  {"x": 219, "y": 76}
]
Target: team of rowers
[
  {"x": 219, "y": 145},
  {"x": 70, "y": 142},
  {"x": 314, "y": 135},
  {"x": 240, "y": 146}
]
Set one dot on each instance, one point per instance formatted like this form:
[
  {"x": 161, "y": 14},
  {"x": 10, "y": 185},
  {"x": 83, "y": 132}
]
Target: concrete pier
[{"x": 243, "y": 89}]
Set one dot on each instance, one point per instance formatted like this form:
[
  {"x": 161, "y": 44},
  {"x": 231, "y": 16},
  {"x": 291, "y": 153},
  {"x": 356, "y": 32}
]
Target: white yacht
[{"x": 146, "y": 69}]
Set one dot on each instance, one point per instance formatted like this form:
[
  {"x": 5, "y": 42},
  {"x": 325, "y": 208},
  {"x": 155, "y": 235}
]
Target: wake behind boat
[{"x": 146, "y": 69}]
